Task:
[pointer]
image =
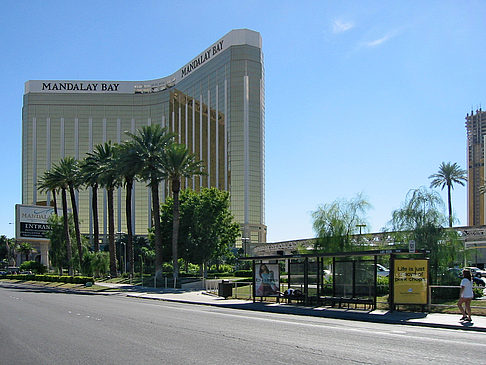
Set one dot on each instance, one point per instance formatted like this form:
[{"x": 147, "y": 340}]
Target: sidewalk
[{"x": 438, "y": 320}]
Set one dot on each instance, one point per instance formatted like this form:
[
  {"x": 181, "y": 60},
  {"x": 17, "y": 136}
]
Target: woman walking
[{"x": 466, "y": 296}]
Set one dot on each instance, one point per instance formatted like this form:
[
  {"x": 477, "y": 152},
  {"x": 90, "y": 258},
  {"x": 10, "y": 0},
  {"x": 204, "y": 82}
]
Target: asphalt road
[{"x": 56, "y": 328}]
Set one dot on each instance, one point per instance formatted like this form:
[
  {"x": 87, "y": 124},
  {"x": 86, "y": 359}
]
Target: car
[
  {"x": 479, "y": 282},
  {"x": 327, "y": 274},
  {"x": 475, "y": 271},
  {"x": 382, "y": 270}
]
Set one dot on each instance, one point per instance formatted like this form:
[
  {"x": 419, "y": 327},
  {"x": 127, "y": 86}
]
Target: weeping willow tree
[
  {"x": 335, "y": 223},
  {"x": 421, "y": 219}
]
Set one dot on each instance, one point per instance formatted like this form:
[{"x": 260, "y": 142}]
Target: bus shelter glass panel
[
  {"x": 312, "y": 275},
  {"x": 364, "y": 276},
  {"x": 296, "y": 270},
  {"x": 343, "y": 278}
]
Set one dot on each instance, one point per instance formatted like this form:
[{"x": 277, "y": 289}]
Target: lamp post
[
  {"x": 360, "y": 226},
  {"x": 245, "y": 241}
]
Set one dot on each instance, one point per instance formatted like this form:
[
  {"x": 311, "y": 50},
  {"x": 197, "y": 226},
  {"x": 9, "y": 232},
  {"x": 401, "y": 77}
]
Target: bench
[
  {"x": 342, "y": 301},
  {"x": 293, "y": 295}
]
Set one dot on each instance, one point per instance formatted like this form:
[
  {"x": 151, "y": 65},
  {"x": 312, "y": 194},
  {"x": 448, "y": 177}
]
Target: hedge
[
  {"x": 52, "y": 278},
  {"x": 244, "y": 273}
]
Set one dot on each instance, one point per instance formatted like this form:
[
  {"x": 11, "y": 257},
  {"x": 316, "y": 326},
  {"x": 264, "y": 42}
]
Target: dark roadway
[{"x": 58, "y": 328}]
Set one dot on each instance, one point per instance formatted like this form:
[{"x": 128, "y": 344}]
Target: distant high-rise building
[
  {"x": 215, "y": 104},
  {"x": 476, "y": 138}
]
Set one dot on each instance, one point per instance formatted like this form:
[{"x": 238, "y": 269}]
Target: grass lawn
[{"x": 244, "y": 292}]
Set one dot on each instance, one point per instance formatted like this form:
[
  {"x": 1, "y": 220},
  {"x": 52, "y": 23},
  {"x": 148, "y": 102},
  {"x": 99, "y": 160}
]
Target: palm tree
[
  {"x": 149, "y": 143},
  {"x": 90, "y": 173},
  {"x": 26, "y": 249},
  {"x": 12, "y": 248},
  {"x": 58, "y": 179},
  {"x": 109, "y": 180},
  {"x": 128, "y": 166},
  {"x": 178, "y": 163},
  {"x": 448, "y": 175},
  {"x": 47, "y": 183},
  {"x": 68, "y": 171}
]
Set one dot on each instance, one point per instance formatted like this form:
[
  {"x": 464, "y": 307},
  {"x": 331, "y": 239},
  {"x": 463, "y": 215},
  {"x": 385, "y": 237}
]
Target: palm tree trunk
[
  {"x": 66, "y": 231},
  {"x": 157, "y": 228},
  {"x": 94, "y": 206},
  {"x": 128, "y": 211},
  {"x": 449, "y": 204},
  {"x": 76, "y": 223},
  {"x": 55, "y": 201},
  {"x": 111, "y": 234},
  {"x": 176, "y": 184}
]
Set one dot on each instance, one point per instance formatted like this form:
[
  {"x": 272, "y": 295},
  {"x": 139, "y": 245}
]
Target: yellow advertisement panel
[{"x": 410, "y": 281}]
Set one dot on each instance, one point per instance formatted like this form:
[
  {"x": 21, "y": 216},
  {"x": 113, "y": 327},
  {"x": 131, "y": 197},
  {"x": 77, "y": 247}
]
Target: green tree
[
  {"x": 421, "y": 219},
  {"x": 129, "y": 166},
  {"x": 178, "y": 163},
  {"x": 335, "y": 223},
  {"x": 207, "y": 227},
  {"x": 4, "y": 247},
  {"x": 26, "y": 249},
  {"x": 70, "y": 168},
  {"x": 57, "y": 247},
  {"x": 59, "y": 180},
  {"x": 109, "y": 179},
  {"x": 66, "y": 176},
  {"x": 150, "y": 143},
  {"x": 448, "y": 175},
  {"x": 91, "y": 169},
  {"x": 47, "y": 183},
  {"x": 10, "y": 247}
]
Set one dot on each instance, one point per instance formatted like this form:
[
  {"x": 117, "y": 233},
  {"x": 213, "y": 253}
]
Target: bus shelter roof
[{"x": 339, "y": 254}]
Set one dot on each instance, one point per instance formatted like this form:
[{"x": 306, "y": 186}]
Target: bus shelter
[{"x": 342, "y": 279}]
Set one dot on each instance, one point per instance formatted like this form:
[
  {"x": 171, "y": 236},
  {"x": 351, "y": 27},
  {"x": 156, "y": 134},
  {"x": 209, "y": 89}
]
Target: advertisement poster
[
  {"x": 410, "y": 281},
  {"x": 267, "y": 280}
]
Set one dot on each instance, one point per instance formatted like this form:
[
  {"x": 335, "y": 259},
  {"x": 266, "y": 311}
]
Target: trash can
[{"x": 225, "y": 289}]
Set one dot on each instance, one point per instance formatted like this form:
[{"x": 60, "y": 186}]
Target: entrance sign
[
  {"x": 267, "y": 280},
  {"x": 410, "y": 281},
  {"x": 32, "y": 221}
]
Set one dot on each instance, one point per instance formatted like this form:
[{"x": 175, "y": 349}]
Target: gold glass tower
[
  {"x": 476, "y": 135},
  {"x": 215, "y": 104}
]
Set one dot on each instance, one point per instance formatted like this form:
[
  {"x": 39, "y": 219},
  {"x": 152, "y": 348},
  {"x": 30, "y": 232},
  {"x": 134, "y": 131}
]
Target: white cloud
[
  {"x": 338, "y": 26},
  {"x": 379, "y": 41}
]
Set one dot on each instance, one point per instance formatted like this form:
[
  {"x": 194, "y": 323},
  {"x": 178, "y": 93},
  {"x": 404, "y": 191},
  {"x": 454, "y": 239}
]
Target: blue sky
[{"x": 361, "y": 96}]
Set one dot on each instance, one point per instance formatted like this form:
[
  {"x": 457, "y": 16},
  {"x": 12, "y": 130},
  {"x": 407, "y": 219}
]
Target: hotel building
[
  {"x": 476, "y": 134},
  {"x": 215, "y": 104}
]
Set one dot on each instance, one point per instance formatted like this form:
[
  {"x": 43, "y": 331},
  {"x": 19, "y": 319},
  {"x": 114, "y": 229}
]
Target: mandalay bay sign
[{"x": 32, "y": 221}]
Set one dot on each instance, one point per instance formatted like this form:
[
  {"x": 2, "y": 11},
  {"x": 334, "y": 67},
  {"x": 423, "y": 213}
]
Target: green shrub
[
  {"x": 34, "y": 266},
  {"x": 382, "y": 285},
  {"x": 243, "y": 273},
  {"x": 216, "y": 275},
  {"x": 96, "y": 263}
]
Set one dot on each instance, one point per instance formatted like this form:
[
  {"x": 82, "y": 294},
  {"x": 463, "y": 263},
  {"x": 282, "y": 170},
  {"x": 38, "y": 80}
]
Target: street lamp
[
  {"x": 245, "y": 241},
  {"x": 360, "y": 226}
]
